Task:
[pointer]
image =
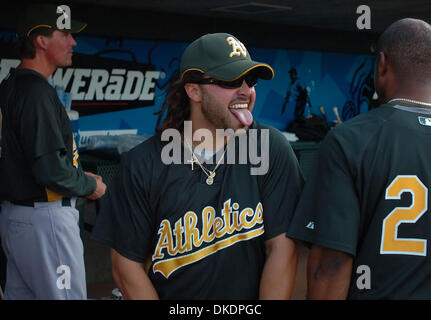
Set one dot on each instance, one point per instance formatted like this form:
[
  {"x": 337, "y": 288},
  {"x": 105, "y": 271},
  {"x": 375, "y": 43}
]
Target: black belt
[{"x": 65, "y": 202}]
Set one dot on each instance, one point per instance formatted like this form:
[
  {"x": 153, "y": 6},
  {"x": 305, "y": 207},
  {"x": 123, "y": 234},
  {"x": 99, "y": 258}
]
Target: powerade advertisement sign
[{"x": 116, "y": 86}]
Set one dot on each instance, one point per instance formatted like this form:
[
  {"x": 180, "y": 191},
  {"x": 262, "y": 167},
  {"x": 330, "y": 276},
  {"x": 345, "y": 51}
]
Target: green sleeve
[
  {"x": 56, "y": 172},
  {"x": 328, "y": 212},
  {"x": 40, "y": 130}
]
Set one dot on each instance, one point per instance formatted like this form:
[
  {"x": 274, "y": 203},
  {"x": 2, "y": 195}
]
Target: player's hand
[
  {"x": 100, "y": 189},
  {"x": 95, "y": 176}
]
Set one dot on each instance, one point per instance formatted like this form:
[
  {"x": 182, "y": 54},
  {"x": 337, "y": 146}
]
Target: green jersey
[
  {"x": 201, "y": 241},
  {"x": 35, "y": 125},
  {"x": 367, "y": 195}
]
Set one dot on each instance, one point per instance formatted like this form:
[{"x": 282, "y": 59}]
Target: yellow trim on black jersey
[{"x": 52, "y": 196}]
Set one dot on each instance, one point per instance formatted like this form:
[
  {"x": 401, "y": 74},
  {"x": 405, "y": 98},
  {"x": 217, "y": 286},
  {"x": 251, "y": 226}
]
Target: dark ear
[{"x": 382, "y": 64}]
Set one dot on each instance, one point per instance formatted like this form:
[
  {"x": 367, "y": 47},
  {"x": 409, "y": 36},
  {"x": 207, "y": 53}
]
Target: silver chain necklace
[{"x": 411, "y": 101}]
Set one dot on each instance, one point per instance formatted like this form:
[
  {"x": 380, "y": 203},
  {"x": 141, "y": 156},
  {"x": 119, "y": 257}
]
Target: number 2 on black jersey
[{"x": 390, "y": 243}]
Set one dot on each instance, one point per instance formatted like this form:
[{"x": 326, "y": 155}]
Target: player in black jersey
[
  {"x": 365, "y": 208},
  {"x": 200, "y": 230},
  {"x": 39, "y": 168}
]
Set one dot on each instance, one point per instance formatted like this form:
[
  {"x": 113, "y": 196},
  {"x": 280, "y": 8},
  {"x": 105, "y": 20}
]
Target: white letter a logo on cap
[{"x": 237, "y": 47}]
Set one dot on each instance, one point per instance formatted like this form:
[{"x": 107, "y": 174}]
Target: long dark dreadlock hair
[{"x": 177, "y": 102}]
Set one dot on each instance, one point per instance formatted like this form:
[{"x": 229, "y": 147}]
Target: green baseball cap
[
  {"x": 47, "y": 16},
  {"x": 223, "y": 57}
]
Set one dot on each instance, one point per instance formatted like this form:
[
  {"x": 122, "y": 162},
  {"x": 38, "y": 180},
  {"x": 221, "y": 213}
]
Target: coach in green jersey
[
  {"x": 205, "y": 228},
  {"x": 365, "y": 206},
  {"x": 39, "y": 167}
]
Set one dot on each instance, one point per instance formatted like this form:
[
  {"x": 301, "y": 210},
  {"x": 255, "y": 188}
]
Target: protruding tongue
[{"x": 243, "y": 115}]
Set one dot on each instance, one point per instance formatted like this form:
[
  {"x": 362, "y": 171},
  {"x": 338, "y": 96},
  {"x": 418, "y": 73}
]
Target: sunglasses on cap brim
[{"x": 249, "y": 79}]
